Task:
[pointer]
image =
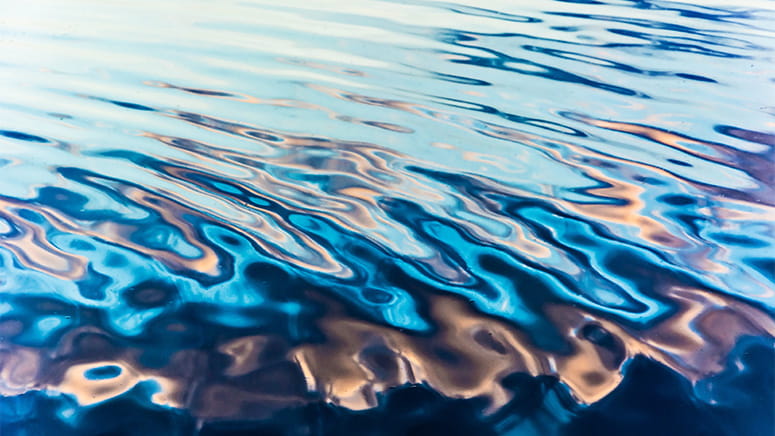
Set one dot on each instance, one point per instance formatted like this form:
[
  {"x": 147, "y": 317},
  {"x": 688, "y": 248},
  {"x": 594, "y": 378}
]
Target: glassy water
[{"x": 374, "y": 217}]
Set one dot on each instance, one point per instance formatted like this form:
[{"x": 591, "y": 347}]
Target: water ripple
[{"x": 233, "y": 212}]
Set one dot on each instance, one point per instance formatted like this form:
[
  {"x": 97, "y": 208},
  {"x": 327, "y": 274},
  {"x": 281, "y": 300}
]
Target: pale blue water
[{"x": 376, "y": 217}]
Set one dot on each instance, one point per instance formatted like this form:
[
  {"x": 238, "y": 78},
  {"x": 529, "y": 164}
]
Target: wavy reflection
[{"x": 310, "y": 210}]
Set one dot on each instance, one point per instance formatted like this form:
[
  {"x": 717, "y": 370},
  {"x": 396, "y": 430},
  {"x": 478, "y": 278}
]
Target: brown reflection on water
[
  {"x": 469, "y": 353},
  {"x": 36, "y": 251},
  {"x": 33, "y": 248},
  {"x": 362, "y": 168},
  {"x": 630, "y": 213},
  {"x": 468, "y": 356}
]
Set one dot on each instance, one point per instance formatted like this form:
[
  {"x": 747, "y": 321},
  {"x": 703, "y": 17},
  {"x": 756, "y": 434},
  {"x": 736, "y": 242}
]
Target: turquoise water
[{"x": 375, "y": 217}]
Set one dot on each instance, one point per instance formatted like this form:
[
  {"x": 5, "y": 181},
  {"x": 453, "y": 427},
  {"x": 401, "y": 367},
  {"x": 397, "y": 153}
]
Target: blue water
[{"x": 382, "y": 217}]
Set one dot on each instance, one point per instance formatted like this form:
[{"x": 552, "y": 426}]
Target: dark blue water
[{"x": 375, "y": 217}]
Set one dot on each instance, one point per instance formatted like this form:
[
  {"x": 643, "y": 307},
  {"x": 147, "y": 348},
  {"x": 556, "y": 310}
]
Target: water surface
[{"x": 376, "y": 217}]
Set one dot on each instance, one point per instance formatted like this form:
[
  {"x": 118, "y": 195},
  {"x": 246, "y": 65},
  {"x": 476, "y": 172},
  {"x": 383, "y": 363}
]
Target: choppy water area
[{"x": 372, "y": 217}]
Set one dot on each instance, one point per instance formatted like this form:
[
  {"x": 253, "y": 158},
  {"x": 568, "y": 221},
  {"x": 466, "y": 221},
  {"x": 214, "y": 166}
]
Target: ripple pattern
[{"x": 235, "y": 209}]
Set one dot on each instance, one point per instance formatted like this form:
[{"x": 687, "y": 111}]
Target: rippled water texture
[{"x": 374, "y": 217}]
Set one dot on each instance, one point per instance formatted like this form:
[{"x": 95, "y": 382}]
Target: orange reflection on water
[
  {"x": 468, "y": 356},
  {"x": 33, "y": 247}
]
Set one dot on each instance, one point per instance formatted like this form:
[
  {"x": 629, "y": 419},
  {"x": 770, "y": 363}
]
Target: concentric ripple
[{"x": 229, "y": 210}]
